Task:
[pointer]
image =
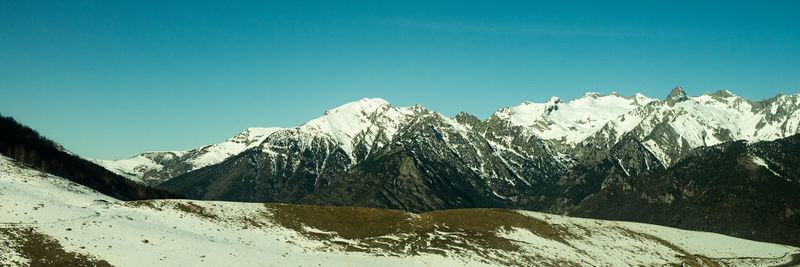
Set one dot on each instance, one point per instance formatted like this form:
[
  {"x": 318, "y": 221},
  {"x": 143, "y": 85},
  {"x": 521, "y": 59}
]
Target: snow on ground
[
  {"x": 607, "y": 239},
  {"x": 760, "y": 162},
  {"x": 211, "y": 233},
  {"x": 125, "y": 234}
]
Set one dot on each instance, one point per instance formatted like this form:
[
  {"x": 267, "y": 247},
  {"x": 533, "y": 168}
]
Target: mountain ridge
[{"x": 567, "y": 134}]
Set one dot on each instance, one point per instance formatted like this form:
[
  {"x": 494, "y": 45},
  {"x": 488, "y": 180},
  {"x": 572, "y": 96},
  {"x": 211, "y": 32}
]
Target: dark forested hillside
[
  {"x": 27, "y": 146},
  {"x": 748, "y": 190}
]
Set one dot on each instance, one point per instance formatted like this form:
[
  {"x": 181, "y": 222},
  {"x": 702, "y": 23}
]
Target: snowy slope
[
  {"x": 155, "y": 167},
  {"x": 205, "y": 233},
  {"x": 661, "y": 125},
  {"x": 573, "y": 121},
  {"x": 670, "y": 129},
  {"x": 367, "y": 122}
]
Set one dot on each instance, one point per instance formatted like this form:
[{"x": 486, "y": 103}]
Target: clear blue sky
[{"x": 111, "y": 79}]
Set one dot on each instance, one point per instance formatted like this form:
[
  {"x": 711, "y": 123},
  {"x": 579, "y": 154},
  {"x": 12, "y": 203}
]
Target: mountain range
[{"x": 689, "y": 162}]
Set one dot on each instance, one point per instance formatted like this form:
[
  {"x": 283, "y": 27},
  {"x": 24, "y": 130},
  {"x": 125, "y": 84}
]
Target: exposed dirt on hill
[{"x": 42, "y": 250}]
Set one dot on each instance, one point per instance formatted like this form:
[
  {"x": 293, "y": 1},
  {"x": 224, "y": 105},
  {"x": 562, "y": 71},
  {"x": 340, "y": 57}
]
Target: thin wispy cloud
[{"x": 486, "y": 28}]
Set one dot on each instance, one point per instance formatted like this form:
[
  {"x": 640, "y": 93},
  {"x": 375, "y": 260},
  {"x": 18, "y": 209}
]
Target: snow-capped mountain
[
  {"x": 49, "y": 221},
  {"x": 348, "y": 133},
  {"x": 569, "y": 123},
  {"x": 292, "y": 163},
  {"x": 352, "y": 132},
  {"x": 671, "y": 128},
  {"x": 155, "y": 167}
]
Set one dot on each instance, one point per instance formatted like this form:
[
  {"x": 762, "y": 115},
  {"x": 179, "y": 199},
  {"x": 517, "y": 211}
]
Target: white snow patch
[{"x": 759, "y": 161}]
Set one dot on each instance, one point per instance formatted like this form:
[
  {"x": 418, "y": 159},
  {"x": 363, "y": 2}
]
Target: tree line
[{"x": 28, "y": 147}]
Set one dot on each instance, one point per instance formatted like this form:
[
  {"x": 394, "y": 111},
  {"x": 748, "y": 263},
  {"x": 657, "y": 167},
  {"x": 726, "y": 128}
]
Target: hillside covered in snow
[{"x": 46, "y": 220}]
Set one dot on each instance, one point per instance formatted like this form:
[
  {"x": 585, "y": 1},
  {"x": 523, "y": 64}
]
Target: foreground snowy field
[{"x": 47, "y": 220}]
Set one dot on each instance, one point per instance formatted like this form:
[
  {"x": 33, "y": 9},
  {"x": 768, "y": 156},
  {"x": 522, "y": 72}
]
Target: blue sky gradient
[{"x": 111, "y": 79}]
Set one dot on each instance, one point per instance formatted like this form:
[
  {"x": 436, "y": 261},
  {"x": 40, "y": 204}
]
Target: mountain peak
[
  {"x": 677, "y": 95},
  {"x": 364, "y": 105},
  {"x": 640, "y": 99},
  {"x": 554, "y": 100},
  {"x": 253, "y": 134},
  {"x": 723, "y": 93},
  {"x": 592, "y": 95},
  {"x": 377, "y": 100}
]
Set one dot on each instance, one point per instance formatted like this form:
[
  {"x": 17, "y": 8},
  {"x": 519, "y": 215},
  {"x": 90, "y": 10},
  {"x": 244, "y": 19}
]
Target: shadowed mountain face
[
  {"x": 742, "y": 189},
  {"x": 575, "y": 157},
  {"x": 433, "y": 162}
]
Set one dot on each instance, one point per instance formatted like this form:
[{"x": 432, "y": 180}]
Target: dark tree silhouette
[{"x": 26, "y": 146}]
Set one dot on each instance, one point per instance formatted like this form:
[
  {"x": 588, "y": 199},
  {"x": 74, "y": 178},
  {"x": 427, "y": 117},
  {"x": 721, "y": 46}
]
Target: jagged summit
[
  {"x": 592, "y": 94},
  {"x": 640, "y": 99},
  {"x": 677, "y": 95},
  {"x": 570, "y": 121},
  {"x": 723, "y": 93},
  {"x": 367, "y": 118},
  {"x": 253, "y": 134},
  {"x": 555, "y": 100}
]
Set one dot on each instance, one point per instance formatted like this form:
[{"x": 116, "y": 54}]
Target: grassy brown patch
[
  {"x": 494, "y": 220},
  {"x": 461, "y": 231},
  {"x": 43, "y": 250},
  {"x": 142, "y": 204},
  {"x": 159, "y": 205},
  {"x": 347, "y": 222},
  {"x": 190, "y": 207}
]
